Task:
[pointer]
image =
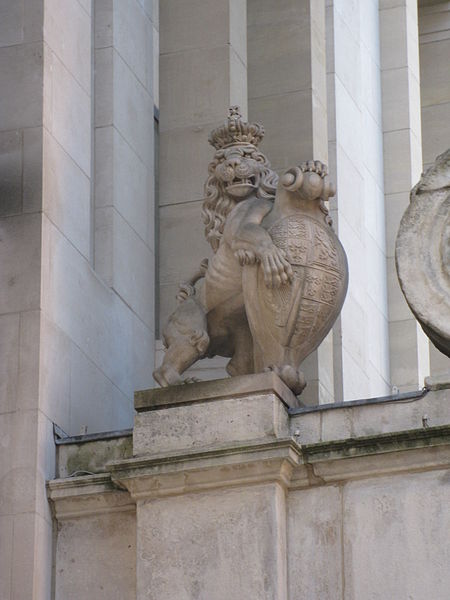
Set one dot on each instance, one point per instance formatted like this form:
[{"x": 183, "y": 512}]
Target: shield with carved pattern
[{"x": 289, "y": 322}]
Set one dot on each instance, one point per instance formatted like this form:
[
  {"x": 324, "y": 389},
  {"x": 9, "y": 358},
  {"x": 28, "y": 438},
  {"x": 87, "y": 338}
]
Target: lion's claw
[{"x": 277, "y": 270}]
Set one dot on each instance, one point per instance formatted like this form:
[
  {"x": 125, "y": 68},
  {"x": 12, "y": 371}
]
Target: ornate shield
[{"x": 289, "y": 322}]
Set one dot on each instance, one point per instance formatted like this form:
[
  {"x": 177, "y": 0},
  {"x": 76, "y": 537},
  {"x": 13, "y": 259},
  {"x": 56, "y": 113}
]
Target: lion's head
[{"x": 236, "y": 172}]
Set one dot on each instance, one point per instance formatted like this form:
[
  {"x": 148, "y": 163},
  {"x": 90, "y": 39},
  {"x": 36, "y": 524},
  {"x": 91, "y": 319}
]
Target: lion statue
[
  {"x": 218, "y": 308},
  {"x": 210, "y": 318}
]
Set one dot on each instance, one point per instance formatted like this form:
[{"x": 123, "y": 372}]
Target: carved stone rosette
[{"x": 423, "y": 253}]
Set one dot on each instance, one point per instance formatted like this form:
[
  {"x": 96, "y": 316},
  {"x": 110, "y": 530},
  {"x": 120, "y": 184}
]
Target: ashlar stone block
[
  {"x": 209, "y": 531},
  {"x": 67, "y": 111},
  {"x": 11, "y": 172},
  {"x": 9, "y": 365},
  {"x": 390, "y": 511},
  {"x": 67, "y": 30},
  {"x": 175, "y": 262},
  {"x": 194, "y": 24},
  {"x": 20, "y": 252},
  {"x": 245, "y": 408},
  {"x": 314, "y": 543},
  {"x": 66, "y": 195},
  {"x": 209, "y": 67},
  {"x": 21, "y": 68},
  {"x": 132, "y": 38},
  {"x": 109, "y": 542}
]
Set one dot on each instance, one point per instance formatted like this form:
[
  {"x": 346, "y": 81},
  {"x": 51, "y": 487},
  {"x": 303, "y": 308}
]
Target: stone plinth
[
  {"x": 240, "y": 409},
  {"x": 209, "y": 472}
]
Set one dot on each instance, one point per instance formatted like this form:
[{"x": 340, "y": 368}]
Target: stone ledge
[
  {"x": 228, "y": 466},
  {"x": 377, "y": 444},
  {"x": 281, "y": 461},
  {"x": 218, "y": 389},
  {"x": 438, "y": 382},
  {"x": 87, "y": 495}
]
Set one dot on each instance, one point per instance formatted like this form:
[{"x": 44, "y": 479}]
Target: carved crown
[{"x": 236, "y": 131}]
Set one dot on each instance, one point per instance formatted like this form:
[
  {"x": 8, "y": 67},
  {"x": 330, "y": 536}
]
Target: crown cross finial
[{"x": 236, "y": 131}]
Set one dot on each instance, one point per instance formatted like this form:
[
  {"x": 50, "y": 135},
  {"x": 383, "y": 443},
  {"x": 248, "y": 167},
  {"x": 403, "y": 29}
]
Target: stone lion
[
  {"x": 210, "y": 318},
  {"x": 243, "y": 203}
]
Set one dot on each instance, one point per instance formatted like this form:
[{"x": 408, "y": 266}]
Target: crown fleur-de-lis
[{"x": 236, "y": 131}]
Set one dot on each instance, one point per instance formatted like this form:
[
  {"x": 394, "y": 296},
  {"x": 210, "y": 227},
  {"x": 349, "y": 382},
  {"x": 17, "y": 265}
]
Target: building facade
[{"x": 105, "y": 111}]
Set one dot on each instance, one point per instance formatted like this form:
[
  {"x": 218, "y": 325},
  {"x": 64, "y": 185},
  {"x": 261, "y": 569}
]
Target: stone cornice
[
  {"x": 87, "y": 495},
  {"x": 227, "y": 466},
  {"x": 281, "y": 461},
  {"x": 373, "y": 456},
  {"x": 215, "y": 390}
]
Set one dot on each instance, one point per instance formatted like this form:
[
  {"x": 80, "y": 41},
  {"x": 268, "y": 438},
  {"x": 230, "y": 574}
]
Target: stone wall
[
  {"x": 76, "y": 249},
  {"x": 232, "y": 491}
]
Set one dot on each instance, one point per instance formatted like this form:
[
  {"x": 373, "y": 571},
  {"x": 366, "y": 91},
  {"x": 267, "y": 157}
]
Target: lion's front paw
[
  {"x": 277, "y": 270},
  {"x": 245, "y": 257}
]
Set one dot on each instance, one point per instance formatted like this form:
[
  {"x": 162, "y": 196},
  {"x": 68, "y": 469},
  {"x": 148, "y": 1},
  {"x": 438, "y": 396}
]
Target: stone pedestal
[{"x": 209, "y": 471}]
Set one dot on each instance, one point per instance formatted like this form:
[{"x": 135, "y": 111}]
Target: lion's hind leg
[
  {"x": 186, "y": 339},
  {"x": 241, "y": 362}
]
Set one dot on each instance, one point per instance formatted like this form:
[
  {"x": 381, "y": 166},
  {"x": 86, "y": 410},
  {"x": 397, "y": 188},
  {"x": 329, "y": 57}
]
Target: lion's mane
[{"x": 217, "y": 205}]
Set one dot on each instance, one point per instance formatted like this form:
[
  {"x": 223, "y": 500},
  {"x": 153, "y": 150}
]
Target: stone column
[
  {"x": 125, "y": 35},
  {"x": 287, "y": 94},
  {"x": 356, "y": 165},
  {"x": 434, "y": 30},
  {"x": 209, "y": 473},
  {"x": 72, "y": 349},
  {"x": 203, "y": 70},
  {"x": 409, "y": 349}
]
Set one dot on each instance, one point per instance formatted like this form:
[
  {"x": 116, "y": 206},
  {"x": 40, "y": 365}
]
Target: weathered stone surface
[
  {"x": 209, "y": 413},
  {"x": 348, "y": 420},
  {"x": 278, "y": 276},
  {"x": 260, "y": 517},
  {"x": 253, "y": 417},
  {"x": 314, "y": 530},
  {"x": 438, "y": 382},
  {"x": 408, "y": 524},
  {"x": 107, "y": 541},
  {"x": 209, "y": 532},
  {"x": 83, "y": 457},
  {"x": 262, "y": 383},
  {"x": 423, "y": 253}
]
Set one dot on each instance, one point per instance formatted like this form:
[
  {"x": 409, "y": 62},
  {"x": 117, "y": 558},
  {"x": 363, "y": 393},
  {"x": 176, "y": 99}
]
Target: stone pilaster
[
  {"x": 209, "y": 472},
  {"x": 361, "y": 348},
  {"x": 434, "y": 49},
  {"x": 287, "y": 94},
  {"x": 203, "y": 71},
  {"x": 402, "y": 145},
  {"x": 124, "y": 161}
]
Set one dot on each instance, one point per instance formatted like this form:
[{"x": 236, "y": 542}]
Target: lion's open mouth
[{"x": 242, "y": 188}]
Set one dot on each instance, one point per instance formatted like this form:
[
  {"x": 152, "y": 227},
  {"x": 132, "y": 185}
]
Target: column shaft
[
  {"x": 203, "y": 70},
  {"x": 287, "y": 94},
  {"x": 409, "y": 349}
]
